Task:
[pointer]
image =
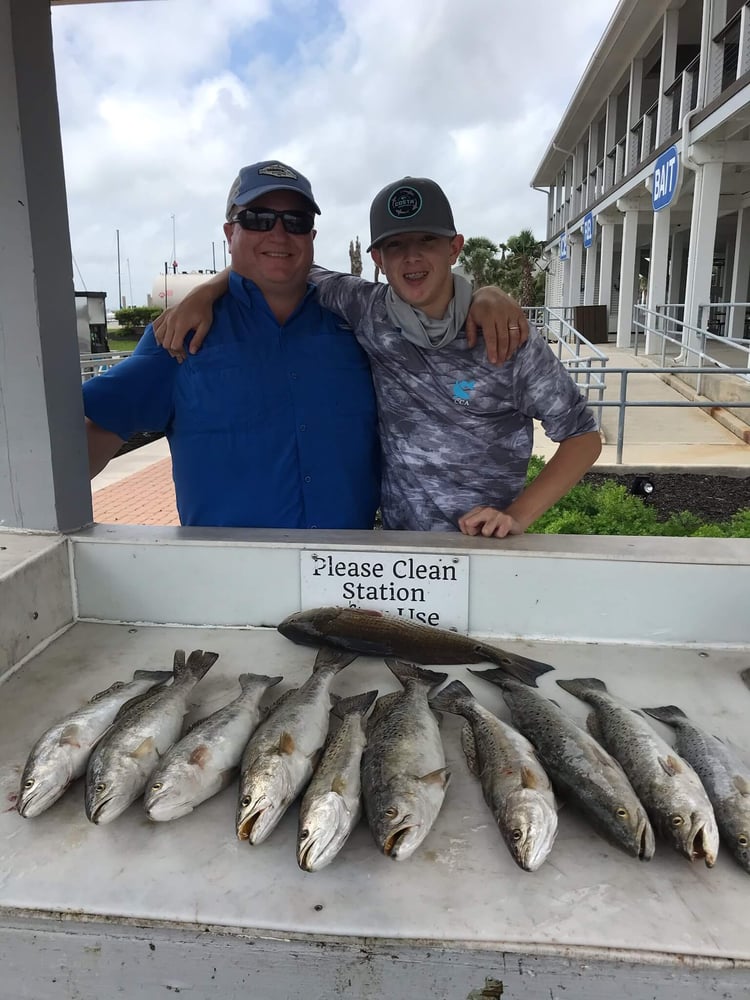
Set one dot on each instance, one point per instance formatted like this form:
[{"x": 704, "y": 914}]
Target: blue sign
[
  {"x": 588, "y": 229},
  {"x": 665, "y": 183},
  {"x": 564, "y": 246}
]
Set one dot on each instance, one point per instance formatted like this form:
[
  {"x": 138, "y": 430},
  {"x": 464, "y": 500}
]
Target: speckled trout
[
  {"x": 725, "y": 777},
  {"x": 668, "y": 787},
  {"x": 514, "y": 783},
  {"x": 373, "y": 633}
]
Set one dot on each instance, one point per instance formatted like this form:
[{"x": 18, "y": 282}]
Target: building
[{"x": 648, "y": 172}]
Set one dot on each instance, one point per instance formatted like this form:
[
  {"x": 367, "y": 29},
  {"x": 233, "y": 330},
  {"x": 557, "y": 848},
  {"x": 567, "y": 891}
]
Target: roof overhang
[{"x": 629, "y": 28}]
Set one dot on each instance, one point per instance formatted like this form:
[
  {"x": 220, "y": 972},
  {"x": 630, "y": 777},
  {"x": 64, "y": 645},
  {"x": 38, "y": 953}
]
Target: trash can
[{"x": 591, "y": 323}]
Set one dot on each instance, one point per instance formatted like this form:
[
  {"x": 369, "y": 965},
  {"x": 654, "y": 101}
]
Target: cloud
[{"x": 161, "y": 102}]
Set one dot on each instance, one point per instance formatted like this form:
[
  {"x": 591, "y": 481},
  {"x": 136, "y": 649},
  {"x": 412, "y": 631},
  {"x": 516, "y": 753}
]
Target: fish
[
  {"x": 145, "y": 728},
  {"x": 745, "y": 675},
  {"x": 207, "y": 758},
  {"x": 281, "y": 755},
  {"x": 373, "y": 633},
  {"x": 61, "y": 753},
  {"x": 724, "y": 776},
  {"x": 514, "y": 783},
  {"x": 332, "y": 805},
  {"x": 404, "y": 777},
  {"x": 580, "y": 768},
  {"x": 668, "y": 787}
]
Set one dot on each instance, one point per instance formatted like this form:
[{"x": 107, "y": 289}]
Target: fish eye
[
  {"x": 516, "y": 835},
  {"x": 246, "y": 800},
  {"x": 391, "y": 812},
  {"x": 101, "y": 787},
  {"x": 29, "y": 783},
  {"x": 742, "y": 840},
  {"x": 304, "y": 834},
  {"x": 677, "y": 821},
  {"x": 622, "y": 812},
  {"x": 156, "y": 786}
]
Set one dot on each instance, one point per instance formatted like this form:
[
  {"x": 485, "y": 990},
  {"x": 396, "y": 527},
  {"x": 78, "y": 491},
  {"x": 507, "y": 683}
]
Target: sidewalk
[{"x": 137, "y": 488}]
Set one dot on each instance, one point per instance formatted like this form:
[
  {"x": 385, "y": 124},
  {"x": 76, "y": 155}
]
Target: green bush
[
  {"x": 133, "y": 319},
  {"x": 610, "y": 509}
]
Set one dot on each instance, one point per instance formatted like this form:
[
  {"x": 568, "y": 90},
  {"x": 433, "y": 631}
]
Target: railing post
[{"x": 621, "y": 416}]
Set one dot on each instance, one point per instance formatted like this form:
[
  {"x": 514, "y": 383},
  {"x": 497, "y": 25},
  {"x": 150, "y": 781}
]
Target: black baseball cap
[{"x": 411, "y": 205}]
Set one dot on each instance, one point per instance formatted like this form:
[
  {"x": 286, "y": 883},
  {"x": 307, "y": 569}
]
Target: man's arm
[
  {"x": 103, "y": 445},
  {"x": 573, "y": 458}
]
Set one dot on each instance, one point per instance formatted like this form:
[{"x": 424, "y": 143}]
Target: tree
[
  {"x": 478, "y": 257},
  {"x": 519, "y": 275}
]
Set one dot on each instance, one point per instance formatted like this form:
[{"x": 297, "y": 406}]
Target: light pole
[{"x": 119, "y": 281}]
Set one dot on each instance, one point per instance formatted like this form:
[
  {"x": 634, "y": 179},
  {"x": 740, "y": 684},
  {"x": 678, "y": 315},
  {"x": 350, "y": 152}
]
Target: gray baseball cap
[
  {"x": 261, "y": 178},
  {"x": 411, "y": 205}
]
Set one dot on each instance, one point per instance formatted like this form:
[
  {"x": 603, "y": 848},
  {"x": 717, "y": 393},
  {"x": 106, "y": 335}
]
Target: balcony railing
[{"x": 733, "y": 60}]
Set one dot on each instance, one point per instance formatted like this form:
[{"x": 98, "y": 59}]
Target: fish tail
[
  {"x": 333, "y": 660},
  {"x": 670, "y": 714},
  {"x": 455, "y": 698},
  {"x": 157, "y": 676},
  {"x": 497, "y": 675},
  {"x": 523, "y": 668},
  {"x": 358, "y": 704},
  {"x": 410, "y": 671},
  {"x": 198, "y": 664},
  {"x": 745, "y": 675},
  {"x": 581, "y": 686},
  {"x": 254, "y": 680}
]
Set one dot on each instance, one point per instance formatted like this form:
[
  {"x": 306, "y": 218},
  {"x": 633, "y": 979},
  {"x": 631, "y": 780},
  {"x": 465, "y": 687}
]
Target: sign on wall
[
  {"x": 588, "y": 229},
  {"x": 430, "y": 589},
  {"x": 564, "y": 246},
  {"x": 666, "y": 178}
]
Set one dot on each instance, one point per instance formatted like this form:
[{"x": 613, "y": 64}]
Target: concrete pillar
[
  {"x": 575, "y": 251},
  {"x": 43, "y": 467},
  {"x": 670, "y": 26},
  {"x": 634, "y": 112},
  {"x": 740, "y": 274},
  {"x": 605, "y": 265},
  {"x": 702, "y": 239},
  {"x": 657, "y": 273},
  {"x": 677, "y": 265},
  {"x": 627, "y": 271},
  {"x": 589, "y": 287}
]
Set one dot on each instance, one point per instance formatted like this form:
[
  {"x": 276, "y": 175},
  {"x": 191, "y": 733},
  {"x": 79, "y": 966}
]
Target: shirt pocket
[{"x": 220, "y": 390}]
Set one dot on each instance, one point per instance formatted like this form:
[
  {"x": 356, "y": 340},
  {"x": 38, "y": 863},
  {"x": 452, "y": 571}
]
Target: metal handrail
[{"x": 95, "y": 364}]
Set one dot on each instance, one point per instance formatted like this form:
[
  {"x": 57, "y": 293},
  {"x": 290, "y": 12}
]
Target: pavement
[{"x": 137, "y": 488}]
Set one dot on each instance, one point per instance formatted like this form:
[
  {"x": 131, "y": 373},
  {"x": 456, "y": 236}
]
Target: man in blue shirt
[{"x": 273, "y": 424}]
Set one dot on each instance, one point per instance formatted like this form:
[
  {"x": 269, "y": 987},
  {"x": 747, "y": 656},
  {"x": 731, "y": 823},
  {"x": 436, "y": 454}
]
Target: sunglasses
[{"x": 262, "y": 220}]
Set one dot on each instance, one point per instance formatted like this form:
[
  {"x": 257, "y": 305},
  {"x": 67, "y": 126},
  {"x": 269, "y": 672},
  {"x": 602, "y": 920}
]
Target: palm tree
[
  {"x": 478, "y": 257},
  {"x": 519, "y": 258}
]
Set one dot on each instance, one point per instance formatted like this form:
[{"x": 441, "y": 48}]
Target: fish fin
[
  {"x": 103, "y": 694},
  {"x": 668, "y": 714},
  {"x": 70, "y": 736},
  {"x": 496, "y": 675},
  {"x": 198, "y": 664},
  {"x": 383, "y": 706},
  {"x": 406, "y": 671},
  {"x": 358, "y": 704},
  {"x": 469, "y": 747},
  {"x": 148, "y": 746},
  {"x": 338, "y": 785},
  {"x": 604, "y": 758},
  {"x": 178, "y": 661},
  {"x": 741, "y": 783},
  {"x": 672, "y": 765},
  {"x": 454, "y": 697},
  {"x": 137, "y": 699},
  {"x": 523, "y": 668},
  {"x": 581, "y": 686},
  {"x": 286, "y": 743},
  {"x": 200, "y": 756},
  {"x": 333, "y": 659},
  {"x": 441, "y": 776},
  {"x": 247, "y": 681},
  {"x": 275, "y": 705},
  {"x": 745, "y": 675},
  {"x": 530, "y": 778}
]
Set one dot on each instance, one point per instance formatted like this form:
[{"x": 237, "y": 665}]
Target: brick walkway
[{"x": 146, "y": 497}]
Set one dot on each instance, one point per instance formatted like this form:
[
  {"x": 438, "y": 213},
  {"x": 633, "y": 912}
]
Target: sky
[{"x": 162, "y": 101}]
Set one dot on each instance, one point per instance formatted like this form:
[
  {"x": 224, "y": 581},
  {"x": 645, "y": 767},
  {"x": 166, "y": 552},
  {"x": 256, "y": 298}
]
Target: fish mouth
[
  {"x": 401, "y": 842},
  {"x": 253, "y": 824},
  {"x": 308, "y": 855},
  {"x": 700, "y": 846},
  {"x": 646, "y": 840},
  {"x": 94, "y": 814}
]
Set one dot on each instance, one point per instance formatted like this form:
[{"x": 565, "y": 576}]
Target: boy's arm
[
  {"x": 573, "y": 458},
  {"x": 195, "y": 312}
]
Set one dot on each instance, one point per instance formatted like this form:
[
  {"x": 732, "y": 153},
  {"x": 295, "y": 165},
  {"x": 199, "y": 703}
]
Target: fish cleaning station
[{"x": 151, "y": 910}]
